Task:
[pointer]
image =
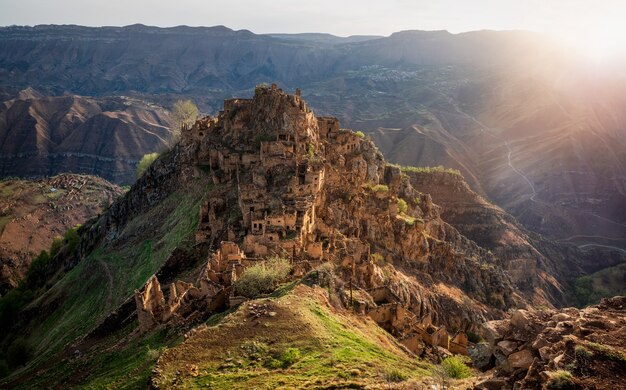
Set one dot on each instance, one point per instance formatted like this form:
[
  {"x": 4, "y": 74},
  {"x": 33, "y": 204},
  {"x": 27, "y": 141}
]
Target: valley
[{"x": 347, "y": 212}]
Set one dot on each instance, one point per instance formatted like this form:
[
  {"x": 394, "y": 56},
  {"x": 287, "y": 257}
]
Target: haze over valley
[{"x": 387, "y": 209}]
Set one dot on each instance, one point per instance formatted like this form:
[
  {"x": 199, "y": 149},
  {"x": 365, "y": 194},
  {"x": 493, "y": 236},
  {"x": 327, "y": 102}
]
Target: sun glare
[{"x": 601, "y": 41}]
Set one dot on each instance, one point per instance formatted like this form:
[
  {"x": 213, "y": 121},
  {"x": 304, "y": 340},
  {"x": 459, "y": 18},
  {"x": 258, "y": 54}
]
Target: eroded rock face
[
  {"x": 303, "y": 188},
  {"x": 529, "y": 347},
  {"x": 538, "y": 267}
]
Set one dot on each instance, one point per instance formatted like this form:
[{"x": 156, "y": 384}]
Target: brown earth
[
  {"x": 44, "y": 136},
  {"x": 33, "y": 213}
]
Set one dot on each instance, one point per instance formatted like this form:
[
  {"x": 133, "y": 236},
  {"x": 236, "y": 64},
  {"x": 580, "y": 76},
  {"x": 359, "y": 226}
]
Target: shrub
[
  {"x": 455, "y": 367},
  {"x": 380, "y": 188},
  {"x": 19, "y": 353},
  {"x": 360, "y": 134},
  {"x": 437, "y": 169},
  {"x": 497, "y": 300},
  {"x": 11, "y": 303},
  {"x": 395, "y": 376},
  {"x": 145, "y": 162},
  {"x": 286, "y": 359},
  {"x": 561, "y": 380},
  {"x": 402, "y": 206},
  {"x": 473, "y": 337},
  {"x": 263, "y": 277},
  {"x": 377, "y": 258}
]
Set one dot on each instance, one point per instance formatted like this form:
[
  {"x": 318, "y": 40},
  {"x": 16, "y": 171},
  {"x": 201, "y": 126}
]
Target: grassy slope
[
  {"x": 336, "y": 349},
  {"x": 609, "y": 282},
  {"x": 110, "y": 274}
]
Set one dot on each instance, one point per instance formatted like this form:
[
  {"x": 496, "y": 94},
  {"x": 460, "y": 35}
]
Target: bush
[
  {"x": 145, "y": 162},
  {"x": 11, "y": 303},
  {"x": 455, "y": 367},
  {"x": 561, "y": 380},
  {"x": 286, "y": 359},
  {"x": 263, "y": 277},
  {"x": 360, "y": 134},
  {"x": 377, "y": 258},
  {"x": 19, "y": 353},
  {"x": 395, "y": 376},
  {"x": 380, "y": 188},
  {"x": 402, "y": 206}
]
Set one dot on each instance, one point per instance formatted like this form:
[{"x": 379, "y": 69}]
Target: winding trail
[
  {"x": 615, "y": 248},
  {"x": 489, "y": 131},
  {"x": 533, "y": 194},
  {"x": 109, "y": 276}
]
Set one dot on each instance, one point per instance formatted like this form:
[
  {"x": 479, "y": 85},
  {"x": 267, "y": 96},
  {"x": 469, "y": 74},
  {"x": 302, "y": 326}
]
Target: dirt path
[{"x": 109, "y": 276}]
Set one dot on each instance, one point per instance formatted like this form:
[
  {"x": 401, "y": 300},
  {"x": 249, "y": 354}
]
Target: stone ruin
[{"x": 278, "y": 155}]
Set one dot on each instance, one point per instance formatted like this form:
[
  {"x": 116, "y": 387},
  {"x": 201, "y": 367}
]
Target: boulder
[
  {"x": 545, "y": 353},
  {"x": 520, "y": 319},
  {"x": 540, "y": 342},
  {"x": 495, "y": 331},
  {"x": 507, "y": 346},
  {"x": 491, "y": 384},
  {"x": 521, "y": 359},
  {"x": 481, "y": 355}
]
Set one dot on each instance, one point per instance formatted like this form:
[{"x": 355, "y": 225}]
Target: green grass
[
  {"x": 609, "y": 282},
  {"x": 109, "y": 275},
  {"x": 455, "y": 367},
  {"x": 437, "y": 169},
  {"x": 608, "y": 352},
  {"x": 109, "y": 366},
  {"x": 321, "y": 349}
]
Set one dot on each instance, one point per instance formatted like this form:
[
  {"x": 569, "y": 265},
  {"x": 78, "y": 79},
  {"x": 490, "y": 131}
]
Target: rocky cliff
[
  {"x": 264, "y": 179},
  {"x": 542, "y": 269},
  {"x": 43, "y": 136}
]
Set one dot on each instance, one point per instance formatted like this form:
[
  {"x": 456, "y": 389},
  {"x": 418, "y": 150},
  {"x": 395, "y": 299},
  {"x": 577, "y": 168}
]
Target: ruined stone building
[{"x": 300, "y": 187}]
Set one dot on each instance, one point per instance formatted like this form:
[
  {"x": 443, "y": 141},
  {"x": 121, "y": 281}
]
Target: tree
[
  {"x": 185, "y": 113},
  {"x": 145, "y": 162}
]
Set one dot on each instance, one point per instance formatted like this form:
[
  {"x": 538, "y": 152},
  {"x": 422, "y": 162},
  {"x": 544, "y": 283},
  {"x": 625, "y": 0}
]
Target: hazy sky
[{"x": 339, "y": 17}]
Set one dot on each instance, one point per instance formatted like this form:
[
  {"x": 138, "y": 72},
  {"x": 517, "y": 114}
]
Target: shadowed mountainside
[{"x": 43, "y": 136}]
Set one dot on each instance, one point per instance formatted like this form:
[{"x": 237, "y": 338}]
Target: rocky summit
[{"x": 271, "y": 247}]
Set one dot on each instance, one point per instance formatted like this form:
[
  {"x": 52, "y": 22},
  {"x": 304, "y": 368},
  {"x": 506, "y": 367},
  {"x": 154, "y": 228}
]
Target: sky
[
  {"x": 339, "y": 17},
  {"x": 596, "y": 23}
]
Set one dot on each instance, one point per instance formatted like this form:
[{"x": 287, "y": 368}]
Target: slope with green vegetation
[
  {"x": 297, "y": 340},
  {"x": 83, "y": 297}
]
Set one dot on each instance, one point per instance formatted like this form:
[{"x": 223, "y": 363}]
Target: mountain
[
  {"x": 265, "y": 178},
  {"x": 536, "y": 265},
  {"x": 291, "y": 245},
  {"x": 34, "y": 213},
  {"x": 46, "y": 135}
]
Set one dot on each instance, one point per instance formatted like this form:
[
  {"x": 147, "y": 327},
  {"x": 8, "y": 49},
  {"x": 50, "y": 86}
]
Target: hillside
[
  {"x": 47, "y": 135},
  {"x": 536, "y": 265},
  {"x": 264, "y": 178},
  {"x": 33, "y": 213},
  {"x": 362, "y": 274}
]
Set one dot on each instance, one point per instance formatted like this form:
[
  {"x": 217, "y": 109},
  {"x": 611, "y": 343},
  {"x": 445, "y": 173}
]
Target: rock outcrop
[
  {"x": 578, "y": 348},
  {"x": 541, "y": 269},
  {"x": 304, "y": 189}
]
